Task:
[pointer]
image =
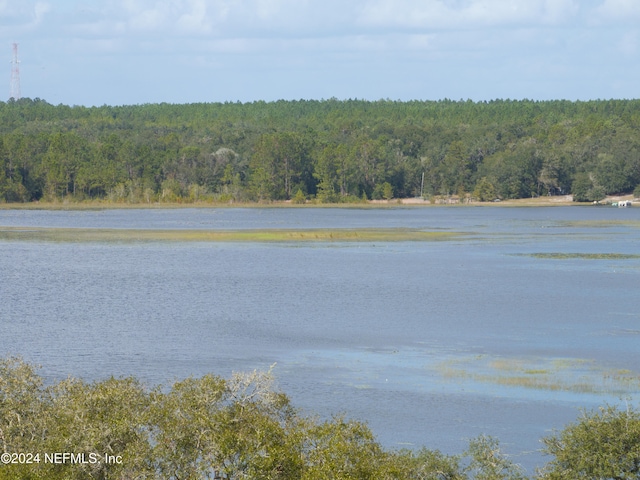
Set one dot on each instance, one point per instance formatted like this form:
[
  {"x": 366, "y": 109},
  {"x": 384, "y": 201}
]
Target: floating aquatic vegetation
[
  {"x": 599, "y": 223},
  {"x": 583, "y": 256},
  {"x": 275, "y": 235},
  {"x": 560, "y": 374}
]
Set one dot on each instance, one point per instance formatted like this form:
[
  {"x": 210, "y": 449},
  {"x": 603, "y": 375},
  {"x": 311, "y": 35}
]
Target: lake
[{"x": 507, "y": 329}]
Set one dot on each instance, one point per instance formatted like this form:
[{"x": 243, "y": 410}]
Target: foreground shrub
[
  {"x": 243, "y": 428},
  {"x": 600, "y": 445}
]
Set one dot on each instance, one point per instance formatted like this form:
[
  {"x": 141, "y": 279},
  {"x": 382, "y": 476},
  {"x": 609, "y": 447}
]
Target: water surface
[{"x": 416, "y": 338}]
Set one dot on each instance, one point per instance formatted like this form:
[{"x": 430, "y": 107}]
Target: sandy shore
[{"x": 520, "y": 202}]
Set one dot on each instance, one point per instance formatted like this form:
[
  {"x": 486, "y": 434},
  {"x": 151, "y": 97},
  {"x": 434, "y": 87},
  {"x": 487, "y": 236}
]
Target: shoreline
[{"x": 564, "y": 200}]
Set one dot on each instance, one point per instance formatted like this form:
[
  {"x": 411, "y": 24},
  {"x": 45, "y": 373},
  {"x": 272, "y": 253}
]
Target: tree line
[
  {"x": 244, "y": 428},
  {"x": 325, "y": 150}
]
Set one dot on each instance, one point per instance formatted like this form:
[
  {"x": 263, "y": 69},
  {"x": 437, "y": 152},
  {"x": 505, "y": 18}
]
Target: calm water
[{"x": 408, "y": 336}]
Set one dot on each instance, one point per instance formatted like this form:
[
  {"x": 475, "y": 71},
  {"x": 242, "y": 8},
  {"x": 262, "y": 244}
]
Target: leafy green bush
[
  {"x": 601, "y": 445},
  {"x": 242, "y": 428},
  {"x": 299, "y": 198}
]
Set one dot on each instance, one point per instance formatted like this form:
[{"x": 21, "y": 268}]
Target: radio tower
[{"x": 15, "y": 74}]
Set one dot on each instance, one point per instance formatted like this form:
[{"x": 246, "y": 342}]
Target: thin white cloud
[
  {"x": 196, "y": 18},
  {"x": 292, "y": 18},
  {"x": 40, "y": 9},
  {"x": 147, "y": 16},
  {"x": 23, "y": 14},
  {"x": 11, "y": 10},
  {"x": 444, "y": 14},
  {"x": 628, "y": 44},
  {"x": 298, "y": 26},
  {"x": 619, "y": 9}
]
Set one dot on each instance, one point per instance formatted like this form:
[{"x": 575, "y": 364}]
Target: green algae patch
[
  {"x": 581, "y": 256},
  {"x": 275, "y": 236},
  {"x": 574, "y": 375},
  {"x": 600, "y": 223}
]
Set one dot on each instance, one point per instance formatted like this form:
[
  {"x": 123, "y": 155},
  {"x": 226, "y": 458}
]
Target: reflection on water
[{"x": 432, "y": 343}]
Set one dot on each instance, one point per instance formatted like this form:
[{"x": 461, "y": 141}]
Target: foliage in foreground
[{"x": 242, "y": 428}]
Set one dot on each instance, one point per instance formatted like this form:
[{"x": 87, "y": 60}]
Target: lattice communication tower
[{"x": 15, "y": 74}]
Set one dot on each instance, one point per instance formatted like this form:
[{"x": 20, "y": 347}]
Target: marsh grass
[
  {"x": 564, "y": 374},
  {"x": 582, "y": 256},
  {"x": 281, "y": 235},
  {"x": 599, "y": 223}
]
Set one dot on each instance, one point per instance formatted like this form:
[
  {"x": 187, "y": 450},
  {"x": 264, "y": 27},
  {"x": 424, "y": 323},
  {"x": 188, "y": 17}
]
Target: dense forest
[{"x": 326, "y": 151}]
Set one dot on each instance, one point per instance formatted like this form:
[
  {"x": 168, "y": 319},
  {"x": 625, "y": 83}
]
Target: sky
[{"x": 123, "y": 52}]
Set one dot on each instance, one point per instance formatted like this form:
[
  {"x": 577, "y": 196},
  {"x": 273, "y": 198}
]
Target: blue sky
[{"x": 117, "y": 52}]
